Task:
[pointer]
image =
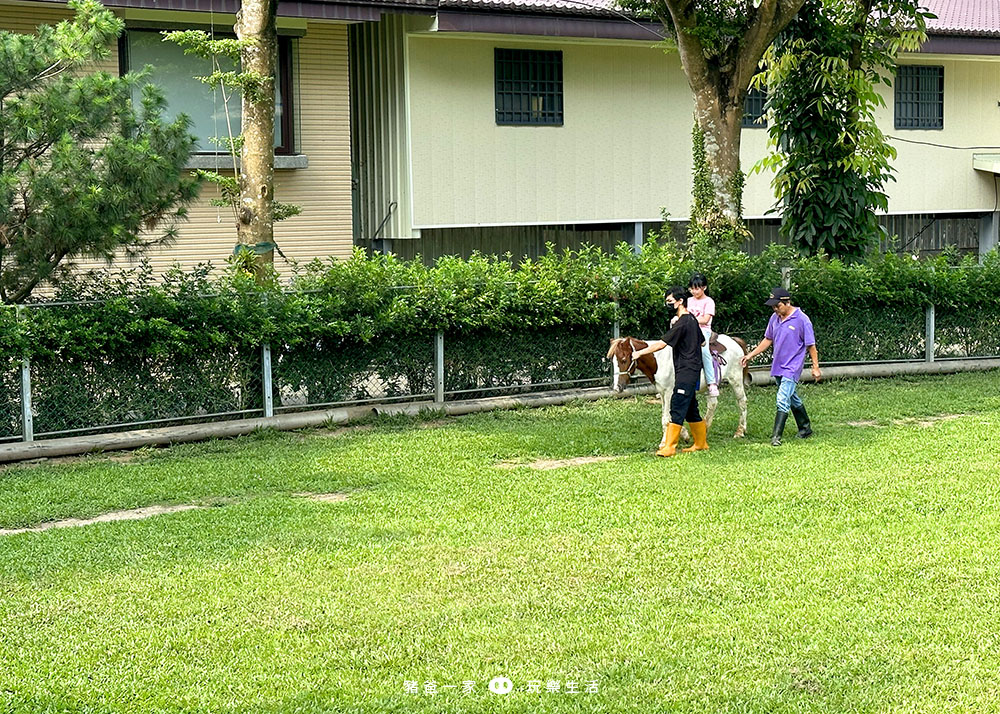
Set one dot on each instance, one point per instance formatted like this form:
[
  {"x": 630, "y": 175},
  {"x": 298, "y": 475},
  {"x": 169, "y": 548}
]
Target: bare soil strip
[
  {"x": 134, "y": 514},
  {"x": 546, "y": 464},
  {"x": 927, "y": 421},
  {"x": 324, "y": 497}
]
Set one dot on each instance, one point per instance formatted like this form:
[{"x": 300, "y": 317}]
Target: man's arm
[
  {"x": 650, "y": 348},
  {"x": 762, "y": 347},
  {"x": 814, "y": 356}
]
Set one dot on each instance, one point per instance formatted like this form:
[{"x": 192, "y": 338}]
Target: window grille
[
  {"x": 919, "y": 97},
  {"x": 753, "y": 110},
  {"x": 529, "y": 86}
]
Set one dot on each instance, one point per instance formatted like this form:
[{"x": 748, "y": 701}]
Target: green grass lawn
[{"x": 858, "y": 571}]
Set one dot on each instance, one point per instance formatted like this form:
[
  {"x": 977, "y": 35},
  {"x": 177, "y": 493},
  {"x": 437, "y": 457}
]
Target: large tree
[
  {"x": 832, "y": 160},
  {"x": 246, "y": 65},
  {"x": 721, "y": 43},
  {"x": 257, "y": 30},
  {"x": 83, "y": 172}
]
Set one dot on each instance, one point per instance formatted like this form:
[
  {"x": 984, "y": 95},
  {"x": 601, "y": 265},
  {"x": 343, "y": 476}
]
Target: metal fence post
[
  {"x": 27, "y": 423},
  {"x": 786, "y": 278},
  {"x": 266, "y": 379},
  {"x": 439, "y": 367},
  {"x": 929, "y": 333},
  {"x": 616, "y": 329},
  {"x": 27, "y": 419}
]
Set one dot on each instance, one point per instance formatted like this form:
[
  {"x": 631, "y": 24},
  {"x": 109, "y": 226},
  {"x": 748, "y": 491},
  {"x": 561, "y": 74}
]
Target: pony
[{"x": 659, "y": 370}]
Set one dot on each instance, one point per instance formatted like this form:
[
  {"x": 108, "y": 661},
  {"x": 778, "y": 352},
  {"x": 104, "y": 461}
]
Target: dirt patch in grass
[
  {"x": 323, "y": 497},
  {"x": 863, "y": 423},
  {"x": 134, "y": 514},
  {"x": 924, "y": 422},
  {"x": 546, "y": 464}
]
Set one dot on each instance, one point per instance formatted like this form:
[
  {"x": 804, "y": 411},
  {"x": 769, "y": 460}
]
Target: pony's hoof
[{"x": 739, "y": 435}]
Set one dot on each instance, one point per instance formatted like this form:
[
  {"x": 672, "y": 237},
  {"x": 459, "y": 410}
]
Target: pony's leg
[
  {"x": 664, "y": 417},
  {"x": 739, "y": 389},
  {"x": 713, "y": 403}
]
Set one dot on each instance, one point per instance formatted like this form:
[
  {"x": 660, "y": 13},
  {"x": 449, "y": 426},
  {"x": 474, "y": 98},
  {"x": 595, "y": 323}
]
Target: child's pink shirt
[{"x": 705, "y": 306}]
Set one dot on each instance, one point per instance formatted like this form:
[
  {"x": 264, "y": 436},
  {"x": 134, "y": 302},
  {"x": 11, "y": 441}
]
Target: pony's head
[{"x": 620, "y": 354}]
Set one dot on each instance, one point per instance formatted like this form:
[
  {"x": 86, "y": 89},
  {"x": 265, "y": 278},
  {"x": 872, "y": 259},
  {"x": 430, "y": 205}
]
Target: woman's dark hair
[
  {"x": 698, "y": 280},
  {"x": 678, "y": 293}
]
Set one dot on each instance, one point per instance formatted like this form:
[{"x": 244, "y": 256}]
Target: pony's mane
[{"x": 633, "y": 343}]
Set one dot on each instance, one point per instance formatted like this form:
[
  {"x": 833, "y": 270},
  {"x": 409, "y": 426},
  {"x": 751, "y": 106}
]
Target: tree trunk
[
  {"x": 256, "y": 23},
  {"x": 720, "y": 80},
  {"x": 721, "y": 126}
]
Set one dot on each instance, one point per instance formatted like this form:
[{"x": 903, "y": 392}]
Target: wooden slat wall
[
  {"x": 519, "y": 241},
  {"x": 923, "y": 234}
]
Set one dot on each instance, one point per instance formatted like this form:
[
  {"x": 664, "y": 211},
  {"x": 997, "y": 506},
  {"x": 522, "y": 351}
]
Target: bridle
[{"x": 631, "y": 366}]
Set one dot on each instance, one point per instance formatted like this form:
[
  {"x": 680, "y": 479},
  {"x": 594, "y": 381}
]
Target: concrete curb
[{"x": 70, "y": 446}]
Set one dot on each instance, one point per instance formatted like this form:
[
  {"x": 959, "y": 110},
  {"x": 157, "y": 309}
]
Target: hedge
[{"x": 379, "y": 297}]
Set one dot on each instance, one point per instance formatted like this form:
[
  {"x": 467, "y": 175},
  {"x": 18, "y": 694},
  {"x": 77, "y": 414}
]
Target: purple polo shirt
[{"x": 791, "y": 337}]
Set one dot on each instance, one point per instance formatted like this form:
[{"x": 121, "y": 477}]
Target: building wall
[
  {"x": 624, "y": 149},
  {"x": 379, "y": 143},
  {"x": 322, "y": 118},
  {"x": 623, "y": 152},
  {"x": 933, "y": 179}
]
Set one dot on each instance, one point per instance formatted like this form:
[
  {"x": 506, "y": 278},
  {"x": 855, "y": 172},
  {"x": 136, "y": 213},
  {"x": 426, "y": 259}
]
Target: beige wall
[
  {"x": 322, "y": 117},
  {"x": 623, "y": 152},
  {"x": 938, "y": 179}
]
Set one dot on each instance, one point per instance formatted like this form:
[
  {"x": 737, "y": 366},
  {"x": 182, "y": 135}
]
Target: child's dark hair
[
  {"x": 698, "y": 280},
  {"x": 678, "y": 293}
]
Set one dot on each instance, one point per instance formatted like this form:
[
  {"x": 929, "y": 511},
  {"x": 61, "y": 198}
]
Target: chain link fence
[
  {"x": 488, "y": 364},
  {"x": 132, "y": 387},
  {"x": 967, "y": 333},
  {"x": 10, "y": 399},
  {"x": 129, "y": 386},
  {"x": 350, "y": 371}
]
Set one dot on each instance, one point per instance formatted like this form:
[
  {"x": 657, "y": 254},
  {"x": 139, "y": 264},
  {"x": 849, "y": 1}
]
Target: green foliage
[
  {"x": 83, "y": 172},
  {"x": 128, "y": 348},
  {"x": 720, "y": 25},
  {"x": 832, "y": 162},
  {"x": 372, "y": 297},
  {"x": 709, "y": 226}
]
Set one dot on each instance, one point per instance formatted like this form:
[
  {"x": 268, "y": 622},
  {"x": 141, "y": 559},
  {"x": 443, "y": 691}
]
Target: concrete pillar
[
  {"x": 989, "y": 225},
  {"x": 637, "y": 237}
]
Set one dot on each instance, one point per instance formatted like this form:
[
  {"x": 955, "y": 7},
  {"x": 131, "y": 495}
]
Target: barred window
[
  {"x": 753, "y": 110},
  {"x": 529, "y": 86},
  {"x": 919, "y": 97}
]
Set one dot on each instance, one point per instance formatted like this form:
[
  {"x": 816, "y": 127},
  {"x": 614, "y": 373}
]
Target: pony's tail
[{"x": 747, "y": 377}]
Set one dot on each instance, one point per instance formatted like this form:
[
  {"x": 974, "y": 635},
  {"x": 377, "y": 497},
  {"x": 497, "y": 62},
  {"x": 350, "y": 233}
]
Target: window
[
  {"x": 529, "y": 86},
  {"x": 919, "y": 97},
  {"x": 174, "y": 72},
  {"x": 753, "y": 110}
]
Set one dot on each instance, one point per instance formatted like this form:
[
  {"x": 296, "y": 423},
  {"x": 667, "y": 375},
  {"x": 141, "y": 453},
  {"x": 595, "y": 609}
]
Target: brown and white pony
[{"x": 659, "y": 370}]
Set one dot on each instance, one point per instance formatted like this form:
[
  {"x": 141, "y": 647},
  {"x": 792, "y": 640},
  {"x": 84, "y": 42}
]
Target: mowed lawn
[{"x": 858, "y": 571}]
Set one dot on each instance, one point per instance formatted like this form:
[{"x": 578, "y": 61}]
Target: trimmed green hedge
[{"x": 187, "y": 316}]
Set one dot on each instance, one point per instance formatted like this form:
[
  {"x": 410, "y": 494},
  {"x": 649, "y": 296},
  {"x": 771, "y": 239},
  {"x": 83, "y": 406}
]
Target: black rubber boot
[
  {"x": 802, "y": 421},
  {"x": 779, "y": 426}
]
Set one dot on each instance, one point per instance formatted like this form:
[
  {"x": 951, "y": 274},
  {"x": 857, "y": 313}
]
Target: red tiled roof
[
  {"x": 954, "y": 17},
  {"x": 964, "y": 17}
]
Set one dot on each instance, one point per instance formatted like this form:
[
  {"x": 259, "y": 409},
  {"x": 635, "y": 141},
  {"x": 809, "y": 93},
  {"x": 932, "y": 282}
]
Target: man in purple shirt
[{"x": 791, "y": 333}]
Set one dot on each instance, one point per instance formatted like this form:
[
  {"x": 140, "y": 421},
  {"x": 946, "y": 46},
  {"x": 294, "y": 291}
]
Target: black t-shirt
[{"x": 685, "y": 339}]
